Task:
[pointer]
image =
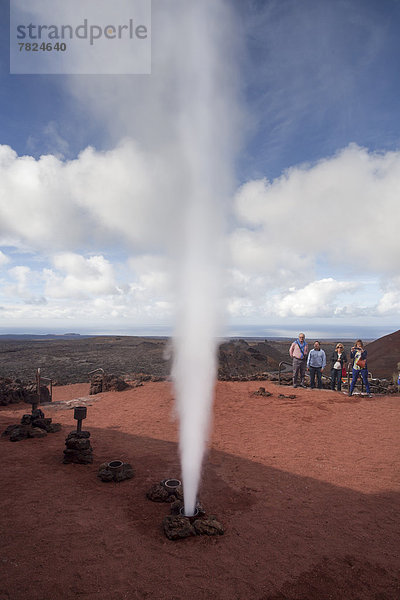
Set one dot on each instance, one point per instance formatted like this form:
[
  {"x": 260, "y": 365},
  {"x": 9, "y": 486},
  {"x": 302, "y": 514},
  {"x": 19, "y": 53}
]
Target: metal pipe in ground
[{"x": 80, "y": 413}]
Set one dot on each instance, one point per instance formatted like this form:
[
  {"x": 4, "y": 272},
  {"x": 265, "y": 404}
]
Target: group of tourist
[{"x": 315, "y": 362}]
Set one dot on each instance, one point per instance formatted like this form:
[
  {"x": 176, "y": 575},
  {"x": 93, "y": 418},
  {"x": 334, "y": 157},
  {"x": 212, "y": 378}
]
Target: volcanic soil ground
[{"x": 307, "y": 489}]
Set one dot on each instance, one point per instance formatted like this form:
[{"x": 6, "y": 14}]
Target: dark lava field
[
  {"x": 71, "y": 360},
  {"x": 66, "y": 360}
]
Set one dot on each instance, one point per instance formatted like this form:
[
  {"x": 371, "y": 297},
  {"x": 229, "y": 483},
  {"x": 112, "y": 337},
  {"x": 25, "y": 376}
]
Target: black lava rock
[
  {"x": 33, "y": 425},
  {"x": 158, "y": 493},
  {"x": 177, "y": 527},
  {"x": 78, "y": 448},
  {"x": 208, "y": 526},
  {"x": 107, "y": 474}
]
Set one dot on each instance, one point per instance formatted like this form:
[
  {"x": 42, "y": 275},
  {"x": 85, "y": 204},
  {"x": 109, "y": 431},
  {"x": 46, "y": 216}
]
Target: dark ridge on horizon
[{"x": 44, "y": 336}]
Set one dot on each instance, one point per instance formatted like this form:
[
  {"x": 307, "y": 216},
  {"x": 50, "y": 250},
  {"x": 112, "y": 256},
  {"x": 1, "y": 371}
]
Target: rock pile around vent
[
  {"x": 33, "y": 425},
  {"x": 107, "y": 474},
  {"x": 262, "y": 392},
  {"x": 159, "y": 493},
  {"x": 78, "y": 448},
  {"x": 176, "y": 526}
]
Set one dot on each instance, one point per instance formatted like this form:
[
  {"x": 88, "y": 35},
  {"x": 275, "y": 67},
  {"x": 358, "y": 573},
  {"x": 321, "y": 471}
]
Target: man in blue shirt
[{"x": 316, "y": 362}]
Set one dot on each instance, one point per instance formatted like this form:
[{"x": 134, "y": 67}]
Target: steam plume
[
  {"x": 203, "y": 137},
  {"x": 183, "y": 118}
]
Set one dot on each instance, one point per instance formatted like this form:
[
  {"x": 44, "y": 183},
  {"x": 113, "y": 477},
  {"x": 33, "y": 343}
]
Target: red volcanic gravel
[{"x": 306, "y": 488}]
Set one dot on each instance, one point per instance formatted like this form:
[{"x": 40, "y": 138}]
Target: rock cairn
[
  {"x": 106, "y": 383},
  {"x": 33, "y": 425},
  {"x": 13, "y": 391},
  {"x": 78, "y": 448}
]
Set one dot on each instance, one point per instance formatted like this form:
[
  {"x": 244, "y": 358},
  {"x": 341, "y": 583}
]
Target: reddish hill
[{"x": 384, "y": 354}]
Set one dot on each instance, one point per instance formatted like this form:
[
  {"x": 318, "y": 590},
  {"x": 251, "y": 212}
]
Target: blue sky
[{"x": 311, "y": 89}]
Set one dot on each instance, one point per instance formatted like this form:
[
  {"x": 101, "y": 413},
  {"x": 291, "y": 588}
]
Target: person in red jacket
[{"x": 298, "y": 352}]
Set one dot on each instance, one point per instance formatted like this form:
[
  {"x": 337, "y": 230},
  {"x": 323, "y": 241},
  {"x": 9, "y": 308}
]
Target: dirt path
[{"x": 307, "y": 488}]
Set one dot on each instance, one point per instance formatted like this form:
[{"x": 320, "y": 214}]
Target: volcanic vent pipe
[
  {"x": 171, "y": 485},
  {"x": 80, "y": 414}
]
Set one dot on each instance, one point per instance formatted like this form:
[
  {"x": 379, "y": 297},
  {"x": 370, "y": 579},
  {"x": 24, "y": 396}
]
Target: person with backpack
[
  {"x": 298, "y": 352},
  {"x": 359, "y": 358}
]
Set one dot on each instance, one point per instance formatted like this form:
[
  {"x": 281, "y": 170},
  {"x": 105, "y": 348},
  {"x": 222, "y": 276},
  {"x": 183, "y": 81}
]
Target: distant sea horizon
[{"x": 327, "y": 332}]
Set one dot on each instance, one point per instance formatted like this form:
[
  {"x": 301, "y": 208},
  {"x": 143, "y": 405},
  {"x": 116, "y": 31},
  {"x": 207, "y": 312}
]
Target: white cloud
[
  {"x": 316, "y": 299},
  {"x": 340, "y": 212},
  {"x": 343, "y": 208},
  {"x": 153, "y": 277},
  {"x": 318, "y": 230},
  {"x": 21, "y": 275},
  {"x": 98, "y": 198},
  {"x": 86, "y": 292},
  {"x": 50, "y": 140},
  {"x": 253, "y": 297},
  {"x": 91, "y": 314},
  {"x": 81, "y": 277},
  {"x": 254, "y": 253},
  {"x": 22, "y": 284},
  {"x": 36, "y": 208},
  {"x": 4, "y": 259},
  {"x": 84, "y": 289},
  {"x": 389, "y": 303}
]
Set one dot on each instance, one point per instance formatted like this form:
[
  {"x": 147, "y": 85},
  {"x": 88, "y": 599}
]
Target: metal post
[
  {"x": 38, "y": 382},
  {"x": 283, "y": 362},
  {"x": 36, "y": 404},
  {"x": 80, "y": 414}
]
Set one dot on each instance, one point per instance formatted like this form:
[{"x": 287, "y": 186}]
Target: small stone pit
[
  {"x": 34, "y": 425},
  {"x": 115, "y": 472},
  {"x": 165, "y": 492}
]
